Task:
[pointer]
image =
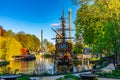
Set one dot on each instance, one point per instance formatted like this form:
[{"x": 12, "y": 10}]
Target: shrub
[
  {"x": 3, "y": 63},
  {"x": 61, "y": 78},
  {"x": 77, "y": 62},
  {"x": 8, "y": 71},
  {"x": 71, "y": 76},
  {"x": 24, "y": 77}
]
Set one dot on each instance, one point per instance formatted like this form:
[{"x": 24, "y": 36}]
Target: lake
[{"x": 39, "y": 66}]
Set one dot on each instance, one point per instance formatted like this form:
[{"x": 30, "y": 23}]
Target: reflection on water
[
  {"x": 43, "y": 65},
  {"x": 39, "y": 66}
]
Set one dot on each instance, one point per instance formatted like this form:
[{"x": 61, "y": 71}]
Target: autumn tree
[
  {"x": 48, "y": 46},
  {"x": 9, "y": 33},
  {"x": 12, "y": 47},
  {"x": 2, "y": 31},
  {"x": 9, "y": 47},
  {"x": 28, "y": 41},
  {"x": 11, "y": 43},
  {"x": 2, "y": 48}
]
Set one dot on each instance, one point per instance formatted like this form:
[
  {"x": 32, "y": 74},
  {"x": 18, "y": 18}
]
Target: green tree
[
  {"x": 98, "y": 22},
  {"x": 78, "y": 48},
  {"x": 112, "y": 39}
]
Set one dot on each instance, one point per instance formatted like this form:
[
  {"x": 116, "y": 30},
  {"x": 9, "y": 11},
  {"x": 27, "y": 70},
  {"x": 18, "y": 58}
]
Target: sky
[{"x": 32, "y": 16}]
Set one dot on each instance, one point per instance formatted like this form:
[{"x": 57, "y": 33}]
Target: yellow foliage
[
  {"x": 13, "y": 47},
  {"x": 95, "y": 59},
  {"x": 2, "y": 45},
  {"x": 9, "y": 47},
  {"x": 52, "y": 49}
]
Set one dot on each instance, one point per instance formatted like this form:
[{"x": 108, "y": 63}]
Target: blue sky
[{"x": 31, "y": 16}]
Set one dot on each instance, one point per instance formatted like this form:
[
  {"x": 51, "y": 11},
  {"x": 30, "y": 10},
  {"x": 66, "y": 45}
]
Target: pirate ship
[{"x": 63, "y": 53}]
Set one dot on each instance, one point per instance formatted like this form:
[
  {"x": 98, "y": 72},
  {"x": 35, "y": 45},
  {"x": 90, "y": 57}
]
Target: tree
[
  {"x": 9, "y": 33},
  {"x": 99, "y": 24},
  {"x": 2, "y": 48},
  {"x": 28, "y": 41},
  {"x": 9, "y": 47},
  {"x": 2, "y": 31},
  {"x": 13, "y": 47},
  {"x": 36, "y": 42},
  {"x": 78, "y": 48},
  {"x": 112, "y": 37},
  {"x": 11, "y": 43},
  {"x": 48, "y": 46}
]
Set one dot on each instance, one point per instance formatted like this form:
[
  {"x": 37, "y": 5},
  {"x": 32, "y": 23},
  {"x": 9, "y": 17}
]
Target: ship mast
[
  {"x": 63, "y": 57},
  {"x": 63, "y": 26}
]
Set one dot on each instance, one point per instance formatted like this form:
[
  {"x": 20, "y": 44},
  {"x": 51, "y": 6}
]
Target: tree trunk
[{"x": 115, "y": 62}]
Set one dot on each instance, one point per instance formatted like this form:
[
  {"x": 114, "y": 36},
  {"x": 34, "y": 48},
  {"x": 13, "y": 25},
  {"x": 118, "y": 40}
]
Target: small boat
[
  {"x": 25, "y": 55},
  {"x": 17, "y": 57},
  {"x": 28, "y": 57}
]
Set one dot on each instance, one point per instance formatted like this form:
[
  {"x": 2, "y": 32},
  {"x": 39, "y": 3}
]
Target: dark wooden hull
[
  {"x": 26, "y": 58},
  {"x": 29, "y": 58}
]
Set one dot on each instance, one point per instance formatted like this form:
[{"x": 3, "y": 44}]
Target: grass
[{"x": 110, "y": 74}]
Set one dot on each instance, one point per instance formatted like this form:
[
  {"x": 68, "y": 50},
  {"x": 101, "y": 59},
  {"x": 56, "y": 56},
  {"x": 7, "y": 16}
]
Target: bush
[
  {"x": 8, "y": 71},
  {"x": 61, "y": 78},
  {"x": 71, "y": 76},
  {"x": 116, "y": 72},
  {"x": 77, "y": 62},
  {"x": 113, "y": 74},
  {"x": 24, "y": 77},
  {"x": 118, "y": 67},
  {"x": 3, "y": 63}
]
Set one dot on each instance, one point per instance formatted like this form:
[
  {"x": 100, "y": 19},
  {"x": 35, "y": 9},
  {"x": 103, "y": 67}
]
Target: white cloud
[{"x": 55, "y": 24}]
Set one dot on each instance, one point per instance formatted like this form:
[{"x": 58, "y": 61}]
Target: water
[{"x": 39, "y": 66}]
